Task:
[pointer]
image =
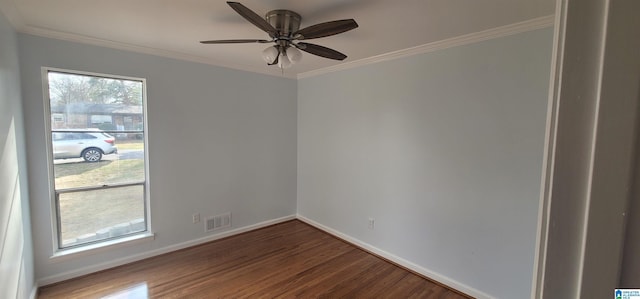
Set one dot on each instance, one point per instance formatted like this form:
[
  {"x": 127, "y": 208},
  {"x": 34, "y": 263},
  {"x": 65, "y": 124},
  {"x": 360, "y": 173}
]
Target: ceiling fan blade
[
  {"x": 326, "y": 29},
  {"x": 235, "y": 41},
  {"x": 253, "y": 17},
  {"x": 320, "y": 51}
]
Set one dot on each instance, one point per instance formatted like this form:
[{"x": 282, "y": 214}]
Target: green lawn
[
  {"x": 70, "y": 175},
  {"x": 89, "y": 211},
  {"x": 126, "y": 145}
]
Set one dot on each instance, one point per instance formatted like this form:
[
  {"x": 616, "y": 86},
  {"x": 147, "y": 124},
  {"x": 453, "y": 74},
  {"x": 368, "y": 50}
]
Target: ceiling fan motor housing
[{"x": 285, "y": 21}]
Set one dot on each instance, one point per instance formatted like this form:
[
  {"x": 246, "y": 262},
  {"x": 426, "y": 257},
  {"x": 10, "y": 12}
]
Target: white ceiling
[{"x": 175, "y": 27}]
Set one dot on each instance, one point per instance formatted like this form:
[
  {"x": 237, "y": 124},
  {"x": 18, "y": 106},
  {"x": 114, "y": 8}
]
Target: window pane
[
  {"x": 88, "y": 216},
  {"x": 125, "y": 167},
  {"x": 88, "y": 113},
  {"x": 107, "y": 104},
  {"x": 97, "y": 143}
]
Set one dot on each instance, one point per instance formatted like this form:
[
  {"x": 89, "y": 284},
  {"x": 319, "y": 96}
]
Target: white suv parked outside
[{"x": 88, "y": 144}]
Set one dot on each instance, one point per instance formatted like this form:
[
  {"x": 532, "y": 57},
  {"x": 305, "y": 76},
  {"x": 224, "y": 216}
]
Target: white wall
[
  {"x": 16, "y": 255},
  {"x": 219, "y": 140},
  {"x": 443, "y": 149}
]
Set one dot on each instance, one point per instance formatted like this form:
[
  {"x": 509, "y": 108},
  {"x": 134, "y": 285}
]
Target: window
[
  {"x": 97, "y": 157},
  {"x": 101, "y": 119},
  {"x": 57, "y": 118}
]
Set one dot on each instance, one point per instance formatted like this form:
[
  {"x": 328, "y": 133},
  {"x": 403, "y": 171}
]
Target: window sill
[{"x": 68, "y": 254}]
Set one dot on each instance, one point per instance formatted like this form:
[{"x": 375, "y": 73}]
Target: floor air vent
[{"x": 218, "y": 222}]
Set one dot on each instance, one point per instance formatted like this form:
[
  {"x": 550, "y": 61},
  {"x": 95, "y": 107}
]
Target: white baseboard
[
  {"x": 118, "y": 262},
  {"x": 34, "y": 292},
  {"x": 398, "y": 260}
]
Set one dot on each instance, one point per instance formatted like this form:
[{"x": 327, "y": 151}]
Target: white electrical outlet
[
  {"x": 372, "y": 222},
  {"x": 196, "y": 218}
]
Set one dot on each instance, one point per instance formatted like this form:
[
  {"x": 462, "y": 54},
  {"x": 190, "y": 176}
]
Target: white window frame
[{"x": 147, "y": 234}]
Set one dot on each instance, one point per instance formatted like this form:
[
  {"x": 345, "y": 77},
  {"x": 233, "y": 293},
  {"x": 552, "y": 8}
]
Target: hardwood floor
[{"x": 287, "y": 260}]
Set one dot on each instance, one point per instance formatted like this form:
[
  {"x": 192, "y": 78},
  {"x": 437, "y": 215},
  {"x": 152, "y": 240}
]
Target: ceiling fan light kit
[
  {"x": 294, "y": 54},
  {"x": 283, "y": 27},
  {"x": 284, "y": 59},
  {"x": 270, "y": 54}
]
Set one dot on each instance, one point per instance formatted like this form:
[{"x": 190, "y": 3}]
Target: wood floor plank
[
  {"x": 318, "y": 286},
  {"x": 289, "y": 275},
  {"x": 287, "y": 260}
]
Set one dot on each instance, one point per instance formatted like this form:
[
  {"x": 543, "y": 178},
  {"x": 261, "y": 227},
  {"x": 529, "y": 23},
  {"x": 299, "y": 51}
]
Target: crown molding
[
  {"x": 42, "y": 32},
  {"x": 538, "y": 23},
  {"x": 515, "y": 28}
]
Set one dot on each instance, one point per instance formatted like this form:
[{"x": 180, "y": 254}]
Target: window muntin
[{"x": 98, "y": 160}]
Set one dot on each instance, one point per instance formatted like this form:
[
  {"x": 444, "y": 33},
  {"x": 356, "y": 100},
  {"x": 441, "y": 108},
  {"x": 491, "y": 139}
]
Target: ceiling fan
[{"x": 283, "y": 28}]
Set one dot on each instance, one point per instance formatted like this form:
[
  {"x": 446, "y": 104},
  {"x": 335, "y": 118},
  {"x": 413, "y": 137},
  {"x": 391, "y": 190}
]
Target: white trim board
[
  {"x": 395, "y": 259},
  {"x": 521, "y": 27},
  {"x": 515, "y": 28},
  {"x": 34, "y": 291},
  {"x": 76, "y": 38},
  {"x": 130, "y": 259},
  {"x": 398, "y": 260}
]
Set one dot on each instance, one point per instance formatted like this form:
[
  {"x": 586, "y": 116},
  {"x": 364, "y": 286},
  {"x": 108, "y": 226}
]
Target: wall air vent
[{"x": 218, "y": 222}]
